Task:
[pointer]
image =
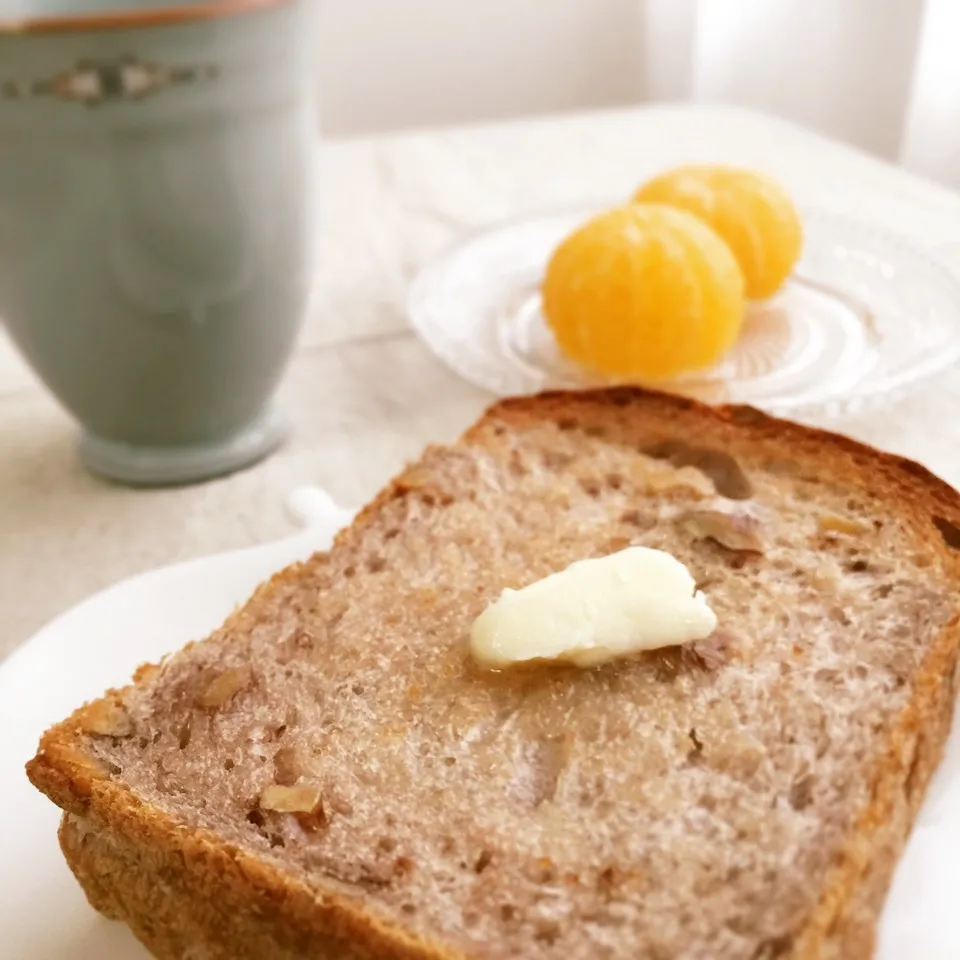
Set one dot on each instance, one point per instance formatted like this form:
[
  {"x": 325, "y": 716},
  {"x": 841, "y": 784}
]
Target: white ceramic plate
[{"x": 43, "y": 914}]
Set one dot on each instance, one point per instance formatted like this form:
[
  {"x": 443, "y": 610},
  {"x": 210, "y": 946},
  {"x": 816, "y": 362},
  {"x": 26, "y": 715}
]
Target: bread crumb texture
[{"x": 744, "y": 797}]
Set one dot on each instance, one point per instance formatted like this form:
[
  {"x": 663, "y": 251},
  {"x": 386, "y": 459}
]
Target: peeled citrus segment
[
  {"x": 751, "y": 212},
  {"x": 643, "y": 292}
]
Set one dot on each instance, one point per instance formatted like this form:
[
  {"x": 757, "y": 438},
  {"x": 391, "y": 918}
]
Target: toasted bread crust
[{"x": 239, "y": 906}]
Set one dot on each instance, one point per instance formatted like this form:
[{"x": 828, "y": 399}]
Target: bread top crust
[{"x": 677, "y": 803}]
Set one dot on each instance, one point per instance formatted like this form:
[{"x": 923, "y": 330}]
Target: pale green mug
[{"x": 157, "y": 219}]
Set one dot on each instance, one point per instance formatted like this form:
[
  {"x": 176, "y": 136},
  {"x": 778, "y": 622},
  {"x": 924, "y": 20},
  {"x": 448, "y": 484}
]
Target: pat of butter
[{"x": 595, "y": 610}]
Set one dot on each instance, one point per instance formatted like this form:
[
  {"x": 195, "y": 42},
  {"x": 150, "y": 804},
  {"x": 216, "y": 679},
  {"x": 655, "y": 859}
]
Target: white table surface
[{"x": 362, "y": 392}]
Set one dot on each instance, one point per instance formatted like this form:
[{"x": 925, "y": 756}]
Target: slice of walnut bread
[{"x": 329, "y": 775}]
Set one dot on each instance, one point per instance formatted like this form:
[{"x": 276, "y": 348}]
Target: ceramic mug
[{"x": 156, "y": 224}]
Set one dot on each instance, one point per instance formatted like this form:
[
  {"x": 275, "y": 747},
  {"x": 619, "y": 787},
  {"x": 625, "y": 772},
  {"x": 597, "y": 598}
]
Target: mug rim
[{"x": 132, "y": 19}]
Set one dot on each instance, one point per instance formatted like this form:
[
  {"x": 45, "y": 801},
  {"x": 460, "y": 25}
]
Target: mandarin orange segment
[
  {"x": 644, "y": 292},
  {"x": 751, "y": 212}
]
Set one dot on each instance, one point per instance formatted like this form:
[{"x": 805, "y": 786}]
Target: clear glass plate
[{"x": 864, "y": 317}]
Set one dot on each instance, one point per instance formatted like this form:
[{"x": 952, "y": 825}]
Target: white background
[
  {"x": 397, "y": 63},
  {"x": 883, "y": 75}
]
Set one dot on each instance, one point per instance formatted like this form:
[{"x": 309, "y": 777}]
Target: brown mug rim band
[{"x": 133, "y": 19}]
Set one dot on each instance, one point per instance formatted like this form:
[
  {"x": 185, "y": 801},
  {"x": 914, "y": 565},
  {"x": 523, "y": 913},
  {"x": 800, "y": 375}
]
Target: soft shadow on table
[
  {"x": 101, "y": 940},
  {"x": 65, "y": 534}
]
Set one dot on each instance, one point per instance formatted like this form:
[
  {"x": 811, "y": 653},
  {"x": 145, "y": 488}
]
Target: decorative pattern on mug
[{"x": 94, "y": 82}]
